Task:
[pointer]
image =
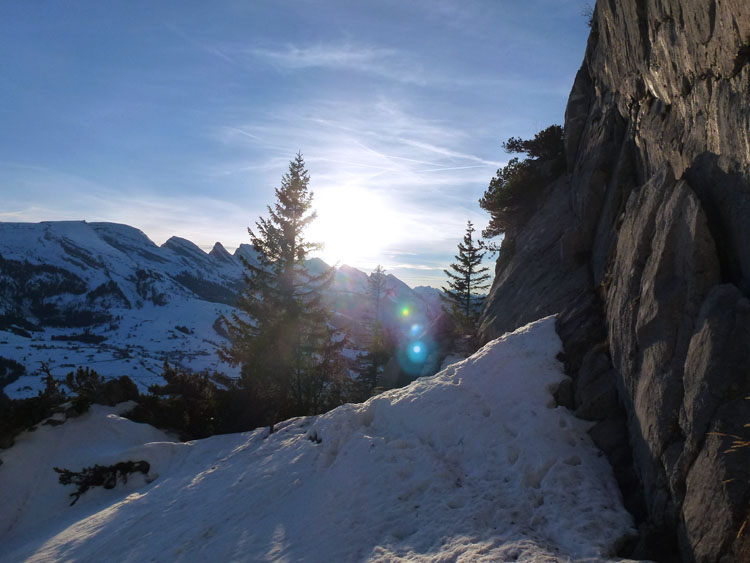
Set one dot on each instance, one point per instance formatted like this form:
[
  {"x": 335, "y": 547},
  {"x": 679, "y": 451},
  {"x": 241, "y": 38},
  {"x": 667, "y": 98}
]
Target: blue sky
[{"x": 180, "y": 117}]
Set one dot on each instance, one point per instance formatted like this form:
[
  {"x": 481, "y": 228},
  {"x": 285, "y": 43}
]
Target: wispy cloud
[
  {"x": 417, "y": 267},
  {"x": 187, "y": 123},
  {"x": 381, "y": 136},
  {"x": 380, "y": 61},
  {"x": 425, "y": 171},
  {"x": 345, "y": 56},
  {"x": 208, "y": 47}
]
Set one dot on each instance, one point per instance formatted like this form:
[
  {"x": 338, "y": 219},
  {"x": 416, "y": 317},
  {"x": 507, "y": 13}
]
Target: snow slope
[{"x": 474, "y": 463}]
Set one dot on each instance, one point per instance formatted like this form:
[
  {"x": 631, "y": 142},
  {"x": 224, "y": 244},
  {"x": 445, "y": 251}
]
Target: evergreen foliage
[
  {"x": 514, "y": 191},
  {"x": 546, "y": 145},
  {"x": 469, "y": 278},
  {"x": 290, "y": 357},
  {"x": 370, "y": 364},
  {"x": 377, "y": 290},
  {"x": 87, "y": 388},
  {"x": 19, "y": 415},
  {"x": 193, "y": 405}
]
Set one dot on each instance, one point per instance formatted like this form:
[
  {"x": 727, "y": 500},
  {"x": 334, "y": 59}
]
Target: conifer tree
[
  {"x": 288, "y": 353},
  {"x": 463, "y": 285},
  {"x": 369, "y": 364},
  {"x": 376, "y": 287},
  {"x": 515, "y": 190}
]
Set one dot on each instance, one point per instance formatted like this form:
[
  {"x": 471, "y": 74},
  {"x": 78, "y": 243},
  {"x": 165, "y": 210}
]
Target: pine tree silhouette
[
  {"x": 467, "y": 278},
  {"x": 370, "y": 363},
  {"x": 290, "y": 356}
]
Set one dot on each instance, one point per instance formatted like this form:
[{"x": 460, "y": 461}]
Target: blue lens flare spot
[
  {"x": 417, "y": 352},
  {"x": 415, "y": 329}
]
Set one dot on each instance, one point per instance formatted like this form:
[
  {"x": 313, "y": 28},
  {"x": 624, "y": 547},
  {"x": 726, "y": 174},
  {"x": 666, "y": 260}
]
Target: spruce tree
[
  {"x": 469, "y": 278},
  {"x": 370, "y": 364},
  {"x": 376, "y": 287},
  {"x": 288, "y": 353}
]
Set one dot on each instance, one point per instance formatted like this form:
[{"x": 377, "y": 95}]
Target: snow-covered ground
[
  {"x": 181, "y": 332},
  {"x": 475, "y": 463}
]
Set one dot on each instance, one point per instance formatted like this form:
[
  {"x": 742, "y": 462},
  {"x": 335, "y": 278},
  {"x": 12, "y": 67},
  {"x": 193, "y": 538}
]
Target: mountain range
[{"x": 104, "y": 295}]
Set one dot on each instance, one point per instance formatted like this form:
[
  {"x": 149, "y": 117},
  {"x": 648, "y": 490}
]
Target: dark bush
[
  {"x": 10, "y": 370},
  {"x": 87, "y": 386},
  {"x": 85, "y": 337},
  {"x": 100, "y": 476},
  {"x": 197, "y": 405},
  {"x": 191, "y": 405},
  {"x": 19, "y": 415}
]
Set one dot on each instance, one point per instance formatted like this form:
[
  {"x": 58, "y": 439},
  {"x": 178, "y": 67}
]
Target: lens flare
[
  {"x": 415, "y": 329},
  {"x": 417, "y": 352},
  {"x": 405, "y": 311}
]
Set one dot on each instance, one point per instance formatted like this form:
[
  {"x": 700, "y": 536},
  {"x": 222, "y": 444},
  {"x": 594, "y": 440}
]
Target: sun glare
[{"x": 353, "y": 224}]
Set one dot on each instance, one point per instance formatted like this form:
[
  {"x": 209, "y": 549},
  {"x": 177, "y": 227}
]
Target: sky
[{"x": 180, "y": 117}]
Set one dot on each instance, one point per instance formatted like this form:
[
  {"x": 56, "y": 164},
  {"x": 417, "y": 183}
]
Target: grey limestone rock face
[
  {"x": 643, "y": 250},
  {"x": 543, "y": 269}
]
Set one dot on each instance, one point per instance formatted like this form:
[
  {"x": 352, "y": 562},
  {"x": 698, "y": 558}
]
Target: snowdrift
[{"x": 474, "y": 463}]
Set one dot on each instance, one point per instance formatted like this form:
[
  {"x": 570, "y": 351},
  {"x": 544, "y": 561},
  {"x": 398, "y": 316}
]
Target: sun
[{"x": 353, "y": 223}]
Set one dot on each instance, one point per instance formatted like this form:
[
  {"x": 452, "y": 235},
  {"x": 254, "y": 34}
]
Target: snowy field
[
  {"x": 474, "y": 464},
  {"x": 181, "y": 331}
]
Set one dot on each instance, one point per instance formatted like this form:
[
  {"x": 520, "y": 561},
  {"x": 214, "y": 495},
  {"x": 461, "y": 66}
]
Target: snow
[
  {"x": 475, "y": 463},
  {"x": 136, "y": 346},
  {"x": 451, "y": 359},
  {"x": 30, "y": 495}
]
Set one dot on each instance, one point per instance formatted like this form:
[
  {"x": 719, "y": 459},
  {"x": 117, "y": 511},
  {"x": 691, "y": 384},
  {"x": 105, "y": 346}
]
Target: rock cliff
[{"x": 643, "y": 250}]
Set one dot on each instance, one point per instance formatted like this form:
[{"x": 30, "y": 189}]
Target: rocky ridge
[{"x": 643, "y": 250}]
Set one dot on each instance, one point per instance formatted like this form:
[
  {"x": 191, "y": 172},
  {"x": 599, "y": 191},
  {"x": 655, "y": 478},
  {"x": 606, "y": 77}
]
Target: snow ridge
[{"x": 474, "y": 463}]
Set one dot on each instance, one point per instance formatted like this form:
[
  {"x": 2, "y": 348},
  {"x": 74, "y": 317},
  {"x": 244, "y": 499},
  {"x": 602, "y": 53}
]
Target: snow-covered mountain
[
  {"x": 104, "y": 295},
  {"x": 475, "y": 463}
]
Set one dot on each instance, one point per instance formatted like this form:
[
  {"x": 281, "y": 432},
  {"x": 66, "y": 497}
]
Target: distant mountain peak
[{"x": 221, "y": 253}]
